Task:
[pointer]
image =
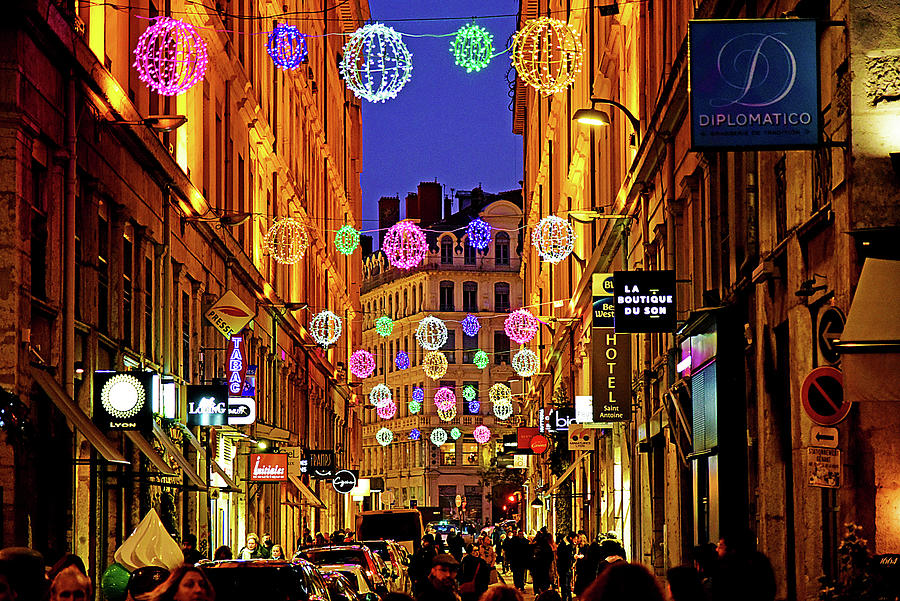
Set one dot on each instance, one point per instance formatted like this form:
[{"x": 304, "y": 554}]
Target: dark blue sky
[{"x": 445, "y": 123}]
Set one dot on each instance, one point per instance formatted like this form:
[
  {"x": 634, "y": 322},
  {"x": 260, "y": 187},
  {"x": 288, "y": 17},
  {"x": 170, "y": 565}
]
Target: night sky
[{"x": 445, "y": 124}]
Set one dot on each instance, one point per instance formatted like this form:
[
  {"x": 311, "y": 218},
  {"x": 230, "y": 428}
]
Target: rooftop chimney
[
  {"x": 388, "y": 215},
  {"x": 412, "y": 206},
  {"x": 429, "y": 203},
  {"x": 448, "y": 207}
]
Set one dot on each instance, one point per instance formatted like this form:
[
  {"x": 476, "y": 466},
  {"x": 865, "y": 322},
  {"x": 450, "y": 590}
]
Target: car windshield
[
  {"x": 281, "y": 583},
  {"x": 334, "y": 556},
  {"x": 351, "y": 577},
  {"x": 395, "y": 526},
  {"x": 380, "y": 547}
]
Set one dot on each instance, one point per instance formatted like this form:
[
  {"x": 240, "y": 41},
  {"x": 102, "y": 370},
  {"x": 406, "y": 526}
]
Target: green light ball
[
  {"x": 415, "y": 407},
  {"x": 469, "y": 393},
  {"x": 473, "y": 47},
  {"x": 384, "y": 326},
  {"x": 481, "y": 360},
  {"x": 455, "y": 433},
  {"x": 114, "y": 582},
  {"x": 346, "y": 240}
]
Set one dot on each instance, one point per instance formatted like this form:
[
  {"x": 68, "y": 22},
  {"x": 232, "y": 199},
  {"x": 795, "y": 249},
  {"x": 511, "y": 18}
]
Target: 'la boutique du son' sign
[{"x": 645, "y": 301}]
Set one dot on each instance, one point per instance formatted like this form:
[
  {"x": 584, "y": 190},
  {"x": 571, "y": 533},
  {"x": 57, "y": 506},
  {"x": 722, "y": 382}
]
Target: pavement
[{"x": 507, "y": 579}]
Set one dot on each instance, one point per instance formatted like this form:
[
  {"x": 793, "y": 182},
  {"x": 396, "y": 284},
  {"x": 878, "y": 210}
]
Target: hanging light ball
[
  {"x": 387, "y": 411},
  {"x": 525, "y": 363},
  {"x": 346, "y": 240},
  {"x": 325, "y": 328},
  {"x": 431, "y": 333},
  {"x": 503, "y": 410},
  {"x": 474, "y": 407},
  {"x": 170, "y": 56},
  {"x": 376, "y": 63},
  {"x": 287, "y": 241},
  {"x": 402, "y": 360},
  {"x": 404, "y": 245},
  {"x": 469, "y": 393},
  {"x": 415, "y": 434},
  {"x": 547, "y": 54},
  {"x": 438, "y": 436},
  {"x": 384, "y": 437},
  {"x": 470, "y": 325},
  {"x": 482, "y": 434},
  {"x": 414, "y": 407},
  {"x": 362, "y": 364},
  {"x": 521, "y": 326},
  {"x": 473, "y": 47},
  {"x": 287, "y": 46},
  {"x": 384, "y": 325},
  {"x": 380, "y": 395},
  {"x": 478, "y": 234},
  {"x": 500, "y": 393},
  {"x": 418, "y": 395},
  {"x": 481, "y": 359},
  {"x": 434, "y": 365},
  {"x": 455, "y": 433},
  {"x": 554, "y": 238},
  {"x": 444, "y": 398},
  {"x": 447, "y": 415}
]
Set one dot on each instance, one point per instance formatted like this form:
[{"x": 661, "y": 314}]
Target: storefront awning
[
  {"x": 568, "y": 472},
  {"x": 176, "y": 453},
  {"x": 870, "y": 342},
  {"x": 311, "y": 498},
  {"x": 232, "y": 485},
  {"x": 77, "y": 417},
  {"x": 149, "y": 452}
]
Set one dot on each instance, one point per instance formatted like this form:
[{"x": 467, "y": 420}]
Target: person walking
[
  {"x": 565, "y": 560},
  {"x": 586, "y": 562},
  {"x": 456, "y": 544},
  {"x": 517, "y": 552},
  {"x": 542, "y": 559},
  {"x": 474, "y": 574},
  {"x": 421, "y": 562},
  {"x": 251, "y": 549},
  {"x": 440, "y": 583},
  {"x": 186, "y": 583},
  {"x": 623, "y": 581}
]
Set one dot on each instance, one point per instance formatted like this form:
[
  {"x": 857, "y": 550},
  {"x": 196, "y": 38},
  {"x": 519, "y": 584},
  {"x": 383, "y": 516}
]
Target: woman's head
[
  {"x": 277, "y": 552},
  {"x": 186, "y": 583},
  {"x": 252, "y": 541},
  {"x": 624, "y": 582}
]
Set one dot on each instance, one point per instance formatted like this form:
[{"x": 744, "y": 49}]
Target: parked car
[
  {"x": 265, "y": 580},
  {"x": 372, "y": 565},
  {"x": 341, "y": 590},
  {"x": 356, "y": 578},
  {"x": 401, "y": 525},
  {"x": 465, "y": 529},
  {"x": 393, "y": 556}
]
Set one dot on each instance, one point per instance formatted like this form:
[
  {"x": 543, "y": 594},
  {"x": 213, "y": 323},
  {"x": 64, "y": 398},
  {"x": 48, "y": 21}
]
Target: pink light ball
[
  {"x": 404, "y": 245},
  {"x": 521, "y": 326},
  {"x": 362, "y": 364},
  {"x": 444, "y": 399},
  {"x": 482, "y": 434},
  {"x": 170, "y": 56}
]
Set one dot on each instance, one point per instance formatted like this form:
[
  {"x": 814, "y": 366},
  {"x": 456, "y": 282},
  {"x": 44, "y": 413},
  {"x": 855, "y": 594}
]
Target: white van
[{"x": 401, "y": 525}]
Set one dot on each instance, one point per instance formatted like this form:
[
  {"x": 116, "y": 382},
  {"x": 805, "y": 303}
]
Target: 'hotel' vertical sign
[{"x": 611, "y": 375}]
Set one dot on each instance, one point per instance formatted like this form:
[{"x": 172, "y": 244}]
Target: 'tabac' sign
[{"x": 754, "y": 83}]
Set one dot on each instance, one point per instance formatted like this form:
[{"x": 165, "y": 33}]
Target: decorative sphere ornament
[
  {"x": 481, "y": 359},
  {"x": 404, "y": 245},
  {"x": 473, "y": 47},
  {"x": 287, "y": 46},
  {"x": 415, "y": 434},
  {"x": 469, "y": 393},
  {"x": 402, "y": 360},
  {"x": 170, "y": 56},
  {"x": 384, "y": 325},
  {"x": 346, "y": 240},
  {"x": 500, "y": 393},
  {"x": 325, "y": 328},
  {"x": 414, "y": 407},
  {"x": 438, "y": 436},
  {"x": 554, "y": 238},
  {"x": 444, "y": 398},
  {"x": 287, "y": 241},
  {"x": 547, "y": 54},
  {"x": 114, "y": 582},
  {"x": 447, "y": 415},
  {"x": 376, "y": 63},
  {"x": 455, "y": 433},
  {"x": 434, "y": 365},
  {"x": 525, "y": 363},
  {"x": 387, "y": 411},
  {"x": 503, "y": 410},
  {"x": 470, "y": 325},
  {"x": 418, "y": 395},
  {"x": 482, "y": 434},
  {"x": 384, "y": 437},
  {"x": 362, "y": 364},
  {"x": 478, "y": 234},
  {"x": 380, "y": 395},
  {"x": 521, "y": 326},
  {"x": 474, "y": 407},
  {"x": 431, "y": 333}
]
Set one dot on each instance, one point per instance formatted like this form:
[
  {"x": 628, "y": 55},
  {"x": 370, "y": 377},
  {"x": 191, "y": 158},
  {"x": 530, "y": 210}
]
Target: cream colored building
[{"x": 451, "y": 282}]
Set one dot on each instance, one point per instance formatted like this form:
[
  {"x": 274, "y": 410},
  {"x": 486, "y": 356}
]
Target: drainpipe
[
  {"x": 752, "y": 208},
  {"x": 167, "y": 301},
  {"x": 645, "y": 372},
  {"x": 71, "y": 183}
]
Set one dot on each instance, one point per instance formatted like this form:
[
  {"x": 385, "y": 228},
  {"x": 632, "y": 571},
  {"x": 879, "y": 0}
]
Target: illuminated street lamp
[{"x": 594, "y": 116}]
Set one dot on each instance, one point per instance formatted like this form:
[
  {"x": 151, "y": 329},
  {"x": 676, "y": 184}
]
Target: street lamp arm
[{"x": 635, "y": 124}]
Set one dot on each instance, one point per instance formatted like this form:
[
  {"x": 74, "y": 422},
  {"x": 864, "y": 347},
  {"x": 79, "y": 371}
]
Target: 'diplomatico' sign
[
  {"x": 645, "y": 301},
  {"x": 754, "y": 83}
]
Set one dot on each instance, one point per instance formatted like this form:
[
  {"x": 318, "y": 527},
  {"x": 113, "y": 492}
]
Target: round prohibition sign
[{"x": 822, "y": 395}]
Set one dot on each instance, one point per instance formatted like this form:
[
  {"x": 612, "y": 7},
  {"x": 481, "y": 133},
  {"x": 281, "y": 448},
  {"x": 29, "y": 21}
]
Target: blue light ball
[
  {"x": 418, "y": 395},
  {"x": 287, "y": 46},
  {"x": 402, "y": 360},
  {"x": 478, "y": 234}
]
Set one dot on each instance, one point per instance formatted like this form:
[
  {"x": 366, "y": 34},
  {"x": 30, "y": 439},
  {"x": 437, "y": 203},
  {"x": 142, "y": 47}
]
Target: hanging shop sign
[
  {"x": 754, "y": 83},
  {"x": 584, "y": 409},
  {"x": 296, "y": 461},
  {"x": 645, "y": 301},
  {"x": 611, "y": 376},
  {"x": 823, "y": 466},
  {"x": 320, "y": 464},
  {"x": 249, "y": 389},
  {"x": 510, "y": 444},
  {"x": 268, "y": 467},
  {"x": 581, "y": 438},
  {"x": 241, "y": 411},
  {"x": 236, "y": 365},
  {"x": 604, "y": 300},
  {"x": 207, "y": 405},
  {"x": 230, "y": 315},
  {"x": 345, "y": 481},
  {"x": 124, "y": 400},
  {"x": 523, "y": 439},
  {"x": 539, "y": 443},
  {"x": 555, "y": 420},
  {"x": 520, "y": 462}
]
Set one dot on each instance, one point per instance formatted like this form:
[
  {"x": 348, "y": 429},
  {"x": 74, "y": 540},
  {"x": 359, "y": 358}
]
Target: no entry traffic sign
[{"x": 823, "y": 396}]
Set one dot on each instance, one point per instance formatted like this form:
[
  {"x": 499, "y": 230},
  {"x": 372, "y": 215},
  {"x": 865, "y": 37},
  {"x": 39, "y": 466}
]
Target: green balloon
[{"x": 114, "y": 582}]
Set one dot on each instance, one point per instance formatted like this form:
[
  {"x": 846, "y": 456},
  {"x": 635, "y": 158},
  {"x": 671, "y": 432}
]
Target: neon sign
[{"x": 237, "y": 366}]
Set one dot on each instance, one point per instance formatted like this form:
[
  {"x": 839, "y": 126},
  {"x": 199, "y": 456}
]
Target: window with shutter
[{"x": 703, "y": 391}]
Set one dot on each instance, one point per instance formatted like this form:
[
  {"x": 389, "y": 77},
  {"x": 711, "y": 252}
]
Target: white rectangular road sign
[{"x": 823, "y": 466}]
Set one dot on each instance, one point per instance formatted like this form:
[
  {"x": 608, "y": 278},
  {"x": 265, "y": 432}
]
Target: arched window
[
  {"x": 501, "y": 297},
  {"x": 447, "y": 296},
  {"x": 421, "y": 298},
  {"x": 470, "y": 297},
  {"x": 415, "y": 308},
  {"x": 446, "y": 250},
  {"x": 405, "y": 304},
  {"x": 468, "y": 254},
  {"x": 501, "y": 249}
]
